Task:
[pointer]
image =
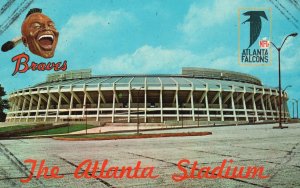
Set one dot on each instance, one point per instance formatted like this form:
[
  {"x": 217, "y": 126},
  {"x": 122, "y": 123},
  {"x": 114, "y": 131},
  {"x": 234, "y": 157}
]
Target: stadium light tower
[{"x": 279, "y": 75}]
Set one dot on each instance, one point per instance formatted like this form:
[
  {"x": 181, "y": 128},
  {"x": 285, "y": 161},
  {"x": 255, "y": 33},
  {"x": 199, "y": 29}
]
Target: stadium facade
[{"x": 196, "y": 95}]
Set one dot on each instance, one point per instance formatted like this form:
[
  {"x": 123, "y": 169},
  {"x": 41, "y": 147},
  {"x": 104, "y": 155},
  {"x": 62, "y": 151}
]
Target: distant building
[{"x": 207, "y": 95}]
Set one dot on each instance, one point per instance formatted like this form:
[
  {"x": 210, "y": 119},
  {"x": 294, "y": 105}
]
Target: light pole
[
  {"x": 283, "y": 91},
  {"x": 279, "y": 75},
  {"x": 296, "y": 106}
]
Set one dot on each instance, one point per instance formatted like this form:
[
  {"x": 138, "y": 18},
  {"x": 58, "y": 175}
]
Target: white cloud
[
  {"x": 148, "y": 59},
  {"x": 199, "y": 17},
  {"x": 289, "y": 62},
  {"x": 289, "y": 54},
  {"x": 159, "y": 60},
  {"x": 79, "y": 26}
]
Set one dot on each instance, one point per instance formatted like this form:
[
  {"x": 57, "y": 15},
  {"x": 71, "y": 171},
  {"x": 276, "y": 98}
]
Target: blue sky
[{"x": 132, "y": 36}]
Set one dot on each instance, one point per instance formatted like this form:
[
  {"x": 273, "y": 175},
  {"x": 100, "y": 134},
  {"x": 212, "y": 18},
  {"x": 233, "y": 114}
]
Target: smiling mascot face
[{"x": 40, "y": 34}]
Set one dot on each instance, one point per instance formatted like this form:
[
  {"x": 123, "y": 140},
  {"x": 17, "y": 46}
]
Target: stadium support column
[
  {"x": 270, "y": 106},
  {"x": 48, "y": 105},
  {"x": 145, "y": 105},
  {"x": 207, "y": 105},
  {"x": 58, "y": 105},
  {"x": 19, "y": 102},
  {"x": 71, "y": 102},
  {"x": 176, "y": 100},
  {"x": 192, "y": 99},
  {"x": 192, "y": 104},
  {"x": 221, "y": 104},
  {"x": 30, "y": 105},
  {"x": 98, "y": 102},
  {"x": 38, "y": 108},
  {"x": 113, "y": 107},
  {"x": 12, "y": 104},
  {"x": 129, "y": 100},
  {"x": 129, "y": 105},
  {"x": 84, "y": 104},
  {"x": 233, "y": 105},
  {"x": 177, "y": 105},
  {"x": 15, "y": 103},
  {"x": 244, "y": 105},
  {"x": 161, "y": 100},
  {"x": 23, "y": 107},
  {"x": 254, "y": 107},
  {"x": 18, "y": 106},
  {"x": 263, "y": 105}
]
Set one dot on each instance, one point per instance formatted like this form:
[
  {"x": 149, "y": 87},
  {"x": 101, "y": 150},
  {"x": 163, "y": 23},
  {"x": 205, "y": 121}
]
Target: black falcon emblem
[{"x": 255, "y": 24}]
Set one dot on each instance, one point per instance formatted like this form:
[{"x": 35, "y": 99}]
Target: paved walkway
[
  {"x": 277, "y": 150},
  {"x": 116, "y": 128}
]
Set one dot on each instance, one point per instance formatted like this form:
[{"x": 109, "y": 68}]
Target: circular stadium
[{"x": 197, "y": 95}]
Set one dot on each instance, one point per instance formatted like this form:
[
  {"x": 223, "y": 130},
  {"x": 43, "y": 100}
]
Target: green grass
[
  {"x": 14, "y": 127},
  {"x": 61, "y": 130}
]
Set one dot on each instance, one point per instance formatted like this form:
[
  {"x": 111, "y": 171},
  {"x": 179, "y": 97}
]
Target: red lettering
[
  {"x": 147, "y": 173},
  {"x": 33, "y": 66},
  {"x": 112, "y": 172},
  {"x": 42, "y": 171},
  {"x": 103, "y": 168},
  {"x": 23, "y": 59},
  {"x": 18, "y": 59},
  {"x": 264, "y": 43},
  {"x": 54, "y": 173},
  {"x": 217, "y": 171},
  {"x": 41, "y": 66},
  {"x": 48, "y": 67},
  {"x": 77, "y": 173},
  {"x": 206, "y": 170},
  {"x": 254, "y": 171},
  {"x": 56, "y": 66},
  {"x": 184, "y": 176},
  {"x": 95, "y": 168},
  {"x": 64, "y": 66},
  {"x": 31, "y": 170},
  {"x": 194, "y": 167}
]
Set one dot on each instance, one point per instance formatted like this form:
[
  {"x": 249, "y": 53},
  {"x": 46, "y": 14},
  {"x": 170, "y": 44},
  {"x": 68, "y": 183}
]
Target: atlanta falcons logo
[{"x": 255, "y": 24}]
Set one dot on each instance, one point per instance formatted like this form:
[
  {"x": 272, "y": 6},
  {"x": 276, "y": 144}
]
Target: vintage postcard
[{"x": 140, "y": 93}]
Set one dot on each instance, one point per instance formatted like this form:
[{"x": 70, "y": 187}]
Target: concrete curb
[{"x": 119, "y": 137}]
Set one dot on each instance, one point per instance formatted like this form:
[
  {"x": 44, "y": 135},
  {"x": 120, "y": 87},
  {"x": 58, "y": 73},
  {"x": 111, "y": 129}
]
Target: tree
[{"x": 3, "y": 104}]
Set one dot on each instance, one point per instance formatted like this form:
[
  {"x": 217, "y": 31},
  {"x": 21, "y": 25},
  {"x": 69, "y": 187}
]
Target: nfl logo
[{"x": 264, "y": 43}]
